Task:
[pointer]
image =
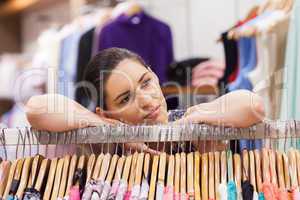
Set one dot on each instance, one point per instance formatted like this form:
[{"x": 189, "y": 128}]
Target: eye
[
  {"x": 146, "y": 83},
  {"x": 125, "y": 100}
]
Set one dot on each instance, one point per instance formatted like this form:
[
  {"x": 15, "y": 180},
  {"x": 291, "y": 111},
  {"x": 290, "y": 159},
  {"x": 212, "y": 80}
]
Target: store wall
[{"x": 196, "y": 24}]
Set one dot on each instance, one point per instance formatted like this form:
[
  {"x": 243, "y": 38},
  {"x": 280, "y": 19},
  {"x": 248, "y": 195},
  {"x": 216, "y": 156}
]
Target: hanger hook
[{"x": 23, "y": 142}]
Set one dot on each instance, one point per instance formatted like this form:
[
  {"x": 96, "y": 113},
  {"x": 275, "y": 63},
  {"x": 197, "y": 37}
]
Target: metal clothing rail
[{"x": 146, "y": 133}]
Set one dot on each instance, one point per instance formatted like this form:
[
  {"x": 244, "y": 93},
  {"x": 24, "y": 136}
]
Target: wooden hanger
[
  {"x": 273, "y": 167},
  {"x": 211, "y": 177},
  {"x": 112, "y": 168},
  {"x": 171, "y": 168},
  {"x": 37, "y": 160},
  {"x": 280, "y": 171},
  {"x": 266, "y": 166},
  {"x": 64, "y": 178},
  {"x": 132, "y": 170},
  {"x": 90, "y": 167},
  {"x": 237, "y": 172},
  {"x": 50, "y": 181},
  {"x": 287, "y": 179},
  {"x": 4, "y": 170},
  {"x": 134, "y": 8},
  {"x": 24, "y": 177},
  {"x": 197, "y": 175},
  {"x": 258, "y": 170},
  {"x": 190, "y": 175},
  {"x": 57, "y": 179},
  {"x": 73, "y": 164},
  {"x": 297, "y": 153},
  {"x": 182, "y": 173},
  {"x": 252, "y": 170},
  {"x": 177, "y": 174},
  {"x": 217, "y": 174},
  {"x": 153, "y": 177},
  {"x": 139, "y": 169},
  {"x": 98, "y": 164},
  {"x": 126, "y": 169},
  {"x": 245, "y": 170},
  {"x": 293, "y": 168},
  {"x": 204, "y": 176},
  {"x": 104, "y": 167},
  {"x": 223, "y": 167},
  {"x": 146, "y": 166},
  {"x": 45, "y": 165},
  {"x": 162, "y": 167},
  {"x": 10, "y": 178},
  {"x": 119, "y": 170}
]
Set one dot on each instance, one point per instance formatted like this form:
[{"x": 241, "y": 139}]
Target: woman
[{"x": 126, "y": 90}]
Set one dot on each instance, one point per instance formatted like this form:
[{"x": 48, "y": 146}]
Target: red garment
[
  {"x": 283, "y": 195},
  {"x": 74, "y": 193}
]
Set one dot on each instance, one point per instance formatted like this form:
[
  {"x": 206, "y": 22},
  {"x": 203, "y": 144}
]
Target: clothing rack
[{"x": 155, "y": 133}]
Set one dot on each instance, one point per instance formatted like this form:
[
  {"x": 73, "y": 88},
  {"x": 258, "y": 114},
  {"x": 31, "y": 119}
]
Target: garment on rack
[
  {"x": 32, "y": 194},
  {"x": 222, "y": 189},
  {"x": 247, "y": 62},
  {"x": 135, "y": 192},
  {"x": 159, "y": 191},
  {"x": 291, "y": 95},
  {"x": 247, "y": 190},
  {"x": 114, "y": 190},
  {"x": 179, "y": 71},
  {"x": 231, "y": 190},
  {"x": 91, "y": 187},
  {"x": 261, "y": 196},
  {"x": 268, "y": 76},
  {"x": 68, "y": 61},
  {"x": 74, "y": 193},
  {"x": 231, "y": 59},
  {"x": 121, "y": 190},
  {"x": 105, "y": 191},
  {"x": 145, "y": 35},
  {"x": 84, "y": 56}
]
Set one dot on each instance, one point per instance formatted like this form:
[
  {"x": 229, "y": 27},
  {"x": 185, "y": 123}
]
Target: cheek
[{"x": 129, "y": 114}]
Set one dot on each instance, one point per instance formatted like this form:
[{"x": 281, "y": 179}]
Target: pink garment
[
  {"x": 217, "y": 64},
  {"x": 168, "y": 193},
  {"x": 296, "y": 195},
  {"x": 205, "y": 81},
  {"x": 208, "y": 72},
  {"x": 270, "y": 191},
  {"x": 127, "y": 195},
  {"x": 114, "y": 189},
  {"x": 74, "y": 193},
  {"x": 176, "y": 196}
]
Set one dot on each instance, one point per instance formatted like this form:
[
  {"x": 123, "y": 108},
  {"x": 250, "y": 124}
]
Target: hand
[
  {"x": 193, "y": 114},
  {"x": 142, "y": 147}
]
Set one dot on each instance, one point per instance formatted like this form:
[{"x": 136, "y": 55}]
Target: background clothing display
[{"x": 144, "y": 35}]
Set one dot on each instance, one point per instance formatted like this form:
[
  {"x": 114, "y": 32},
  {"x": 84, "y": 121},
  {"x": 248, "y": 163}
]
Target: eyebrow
[
  {"x": 122, "y": 94},
  {"x": 142, "y": 77},
  {"x": 126, "y": 92}
]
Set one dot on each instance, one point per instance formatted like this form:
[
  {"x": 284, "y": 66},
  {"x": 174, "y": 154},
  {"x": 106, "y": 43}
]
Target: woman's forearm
[
  {"x": 54, "y": 112},
  {"x": 237, "y": 109}
]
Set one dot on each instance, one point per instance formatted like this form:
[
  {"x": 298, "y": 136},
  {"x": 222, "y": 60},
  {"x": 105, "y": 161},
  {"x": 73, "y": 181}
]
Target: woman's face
[{"x": 133, "y": 95}]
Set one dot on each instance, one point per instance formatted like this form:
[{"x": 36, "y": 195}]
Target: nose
[{"x": 145, "y": 101}]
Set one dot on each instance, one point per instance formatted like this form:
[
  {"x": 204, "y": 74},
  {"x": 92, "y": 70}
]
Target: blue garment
[
  {"x": 261, "y": 196},
  {"x": 250, "y": 144},
  {"x": 68, "y": 64},
  {"x": 144, "y": 35},
  {"x": 11, "y": 197},
  {"x": 231, "y": 191},
  {"x": 247, "y": 62}
]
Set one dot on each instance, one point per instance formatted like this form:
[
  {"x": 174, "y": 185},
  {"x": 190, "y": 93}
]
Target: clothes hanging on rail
[
  {"x": 144, "y": 35},
  {"x": 291, "y": 94}
]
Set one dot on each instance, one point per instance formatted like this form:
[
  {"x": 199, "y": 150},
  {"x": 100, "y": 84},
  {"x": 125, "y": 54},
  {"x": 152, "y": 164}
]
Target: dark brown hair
[{"x": 99, "y": 69}]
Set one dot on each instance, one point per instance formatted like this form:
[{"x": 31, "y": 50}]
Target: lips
[{"x": 153, "y": 114}]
